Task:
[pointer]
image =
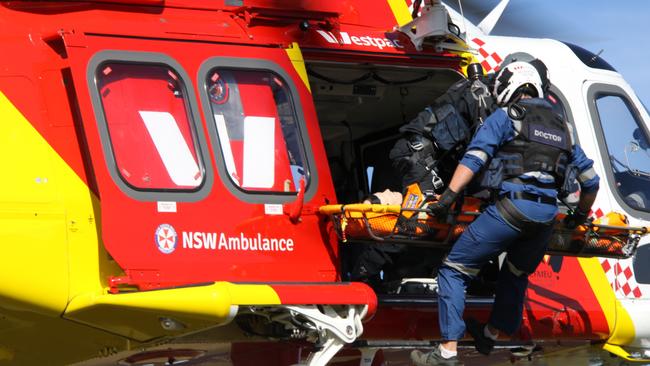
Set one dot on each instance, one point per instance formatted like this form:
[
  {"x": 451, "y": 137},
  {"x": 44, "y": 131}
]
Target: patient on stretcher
[{"x": 393, "y": 217}]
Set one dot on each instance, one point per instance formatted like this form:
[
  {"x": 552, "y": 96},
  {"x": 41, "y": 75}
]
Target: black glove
[
  {"x": 574, "y": 219},
  {"x": 441, "y": 207}
]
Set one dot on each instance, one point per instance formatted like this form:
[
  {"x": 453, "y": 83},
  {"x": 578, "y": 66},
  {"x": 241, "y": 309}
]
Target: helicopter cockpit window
[
  {"x": 257, "y": 129},
  {"x": 628, "y": 149},
  {"x": 150, "y": 131}
]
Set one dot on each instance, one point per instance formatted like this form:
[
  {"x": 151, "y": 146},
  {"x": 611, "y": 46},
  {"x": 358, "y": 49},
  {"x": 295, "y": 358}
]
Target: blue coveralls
[{"x": 489, "y": 235}]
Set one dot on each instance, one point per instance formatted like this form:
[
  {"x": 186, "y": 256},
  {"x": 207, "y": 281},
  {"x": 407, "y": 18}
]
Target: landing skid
[
  {"x": 524, "y": 352},
  {"x": 333, "y": 328},
  {"x": 328, "y": 327},
  {"x": 512, "y": 351}
]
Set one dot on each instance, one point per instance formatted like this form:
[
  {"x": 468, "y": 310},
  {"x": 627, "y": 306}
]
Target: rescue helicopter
[{"x": 167, "y": 162}]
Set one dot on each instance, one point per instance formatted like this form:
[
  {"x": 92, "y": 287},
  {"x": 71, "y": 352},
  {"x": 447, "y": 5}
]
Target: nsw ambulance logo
[{"x": 166, "y": 238}]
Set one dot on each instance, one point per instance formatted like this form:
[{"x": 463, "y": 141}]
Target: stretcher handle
[
  {"x": 396, "y": 209},
  {"x": 375, "y": 208},
  {"x": 462, "y": 213},
  {"x": 641, "y": 229},
  {"x": 359, "y": 207}
]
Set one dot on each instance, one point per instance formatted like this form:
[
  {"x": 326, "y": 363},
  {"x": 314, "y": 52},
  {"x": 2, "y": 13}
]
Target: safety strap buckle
[
  {"x": 438, "y": 183},
  {"x": 416, "y": 145}
]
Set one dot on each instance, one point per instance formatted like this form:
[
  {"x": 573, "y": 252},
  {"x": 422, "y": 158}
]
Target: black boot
[{"x": 482, "y": 343}]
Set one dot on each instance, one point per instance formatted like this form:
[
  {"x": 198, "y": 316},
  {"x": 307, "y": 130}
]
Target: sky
[{"x": 620, "y": 28}]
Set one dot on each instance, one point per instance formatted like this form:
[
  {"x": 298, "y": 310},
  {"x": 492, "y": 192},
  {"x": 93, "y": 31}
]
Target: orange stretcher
[{"x": 607, "y": 236}]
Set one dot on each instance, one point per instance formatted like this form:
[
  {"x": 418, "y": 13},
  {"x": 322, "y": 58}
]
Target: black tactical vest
[
  {"x": 434, "y": 141},
  {"x": 543, "y": 143}
]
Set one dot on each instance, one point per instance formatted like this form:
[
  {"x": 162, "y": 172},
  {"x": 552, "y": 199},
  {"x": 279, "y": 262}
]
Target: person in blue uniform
[{"x": 525, "y": 154}]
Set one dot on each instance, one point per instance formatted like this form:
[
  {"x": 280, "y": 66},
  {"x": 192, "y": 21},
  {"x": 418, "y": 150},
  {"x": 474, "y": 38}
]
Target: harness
[
  {"x": 439, "y": 132},
  {"x": 517, "y": 219},
  {"x": 422, "y": 159}
]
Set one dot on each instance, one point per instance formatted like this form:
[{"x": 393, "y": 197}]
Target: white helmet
[{"x": 514, "y": 76}]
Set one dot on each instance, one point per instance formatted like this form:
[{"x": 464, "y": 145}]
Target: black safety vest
[
  {"x": 543, "y": 143},
  {"x": 439, "y": 132}
]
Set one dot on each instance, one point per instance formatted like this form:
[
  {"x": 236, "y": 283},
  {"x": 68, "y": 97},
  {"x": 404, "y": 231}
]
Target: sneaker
[
  {"x": 482, "y": 343},
  {"x": 434, "y": 357},
  {"x": 523, "y": 351}
]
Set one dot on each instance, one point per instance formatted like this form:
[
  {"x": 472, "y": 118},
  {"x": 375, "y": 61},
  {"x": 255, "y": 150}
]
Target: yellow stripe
[
  {"x": 138, "y": 315},
  {"x": 253, "y": 295},
  {"x": 467, "y": 58},
  {"x": 621, "y": 352},
  {"x": 400, "y": 11},
  {"x": 603, "y": 291},
  {"x": 624, "y": 332},
  {"x": 54, "y": 262},
  {"x": 51, "y": 250},
  {"x": 49, "y": 214},
  {"x": 298, "y": 62},
  {"x": 621, "y": 327},
  {"x": 34, "y": 270}
]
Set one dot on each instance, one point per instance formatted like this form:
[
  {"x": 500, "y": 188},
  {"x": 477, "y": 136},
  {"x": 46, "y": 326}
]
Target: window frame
[
  {"x": 567, "y": 112},
  {"x": 575, "y": 138},
  {"x": 642, "y": 276},
  {"x": 597, "y": 90},
  {"x": 200, "y": 145},
  {"x": 251, "y": 64}
]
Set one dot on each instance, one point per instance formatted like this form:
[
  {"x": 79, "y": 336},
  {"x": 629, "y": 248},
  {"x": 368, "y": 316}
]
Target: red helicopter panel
[
  {"x": 161, "y": 195},
  {"x": 182, "y": 131}
]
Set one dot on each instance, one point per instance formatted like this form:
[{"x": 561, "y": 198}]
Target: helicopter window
[
  {"x": 257, "y": 128},
  {"x": 628, "y": 150},
  {"x": 640, "y": 264},
  {"x": 150, "y": 132},
  {"x": 589, "y": 58}
]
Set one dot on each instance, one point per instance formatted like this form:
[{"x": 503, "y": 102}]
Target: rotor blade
[
  {"x": 487, "y": 24},
  {"x": 474, "y": 11}
]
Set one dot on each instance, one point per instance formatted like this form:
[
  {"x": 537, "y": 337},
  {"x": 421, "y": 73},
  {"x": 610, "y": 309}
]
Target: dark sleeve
[
  {"x": 495, "y": 131},
  {"x": 587, "y": 178}
]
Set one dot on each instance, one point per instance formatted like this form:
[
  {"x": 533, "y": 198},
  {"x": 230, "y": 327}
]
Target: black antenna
[{"x": 596, "y": 56}]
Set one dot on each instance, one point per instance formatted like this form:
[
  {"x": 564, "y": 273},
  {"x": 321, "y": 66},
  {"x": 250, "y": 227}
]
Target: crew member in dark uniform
[
  {"x": 529, "y": 157},
  {"x": 427, "y": 154}
]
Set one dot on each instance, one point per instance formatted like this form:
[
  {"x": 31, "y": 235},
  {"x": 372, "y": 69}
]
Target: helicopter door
[{"x": 197, "y": 158}]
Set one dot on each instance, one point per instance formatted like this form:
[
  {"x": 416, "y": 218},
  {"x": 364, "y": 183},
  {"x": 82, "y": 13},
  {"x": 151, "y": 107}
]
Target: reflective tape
[
  {"x": 479, "y": 154},
  {"x": 571, "y": 133},
  {"x": 462, "y": 268},
  {"x": 541, "y": 176},
  {"x": 587, "y": 175}
]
